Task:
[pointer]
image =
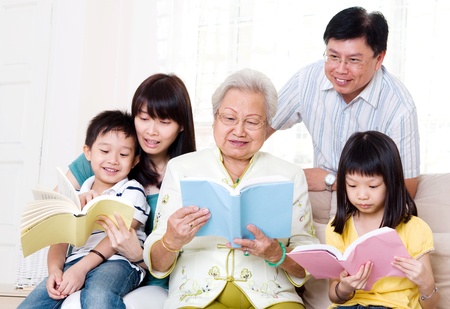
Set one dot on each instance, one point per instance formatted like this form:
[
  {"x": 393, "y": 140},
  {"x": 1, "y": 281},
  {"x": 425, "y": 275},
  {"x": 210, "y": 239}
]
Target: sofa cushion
[
  {"x": 432, "y": 201},
  {"x": 440, "y": 262},
  {"x": 433, "y": 206},
  {"x": 321, "y": 206}
]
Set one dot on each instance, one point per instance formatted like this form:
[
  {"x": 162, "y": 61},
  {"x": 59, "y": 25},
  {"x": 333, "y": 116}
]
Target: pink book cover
[{"x": 379, "y": 246}]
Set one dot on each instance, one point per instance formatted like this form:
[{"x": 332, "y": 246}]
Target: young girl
[
  {"x": 371, "y": 193},
  {"x": 164, "y": 123}
]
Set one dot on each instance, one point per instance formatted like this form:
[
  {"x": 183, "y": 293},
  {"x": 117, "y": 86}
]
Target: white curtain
[{"x": 203, "y": 41}]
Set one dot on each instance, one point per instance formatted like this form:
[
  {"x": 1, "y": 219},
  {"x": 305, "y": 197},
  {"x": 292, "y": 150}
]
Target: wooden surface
[{"x": 10, "y": 297}]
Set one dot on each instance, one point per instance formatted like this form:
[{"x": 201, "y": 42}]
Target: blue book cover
[{"x": 265, "y": 203}]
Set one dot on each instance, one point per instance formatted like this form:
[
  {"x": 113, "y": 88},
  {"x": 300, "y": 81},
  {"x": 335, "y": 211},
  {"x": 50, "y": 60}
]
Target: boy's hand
[
  {"x": 87, "y": 197},
  {"x": 73, "y": 280},
  {"x": 53, "y": 282}
]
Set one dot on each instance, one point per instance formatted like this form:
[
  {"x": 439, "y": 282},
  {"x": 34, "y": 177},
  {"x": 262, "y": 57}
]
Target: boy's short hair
[{"x": 111, "y": 120}]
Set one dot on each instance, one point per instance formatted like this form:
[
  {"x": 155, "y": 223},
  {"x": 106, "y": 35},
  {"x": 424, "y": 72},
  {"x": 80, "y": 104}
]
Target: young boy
[{"x": 104, "y": 277}]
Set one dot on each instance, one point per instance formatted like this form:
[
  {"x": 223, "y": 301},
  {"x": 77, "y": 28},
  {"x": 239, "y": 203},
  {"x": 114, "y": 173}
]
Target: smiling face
[
  {"x": 366, "y": 193},
  {"x": 112, "y": 156},
  {"x": 350, "y": 81},
  {"x": 155, "y": 135},
  {"x": 236, "y": 142}
]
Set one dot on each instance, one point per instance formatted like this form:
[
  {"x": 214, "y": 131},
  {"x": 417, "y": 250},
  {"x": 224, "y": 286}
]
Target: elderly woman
[{"x": 206, "y": 272}]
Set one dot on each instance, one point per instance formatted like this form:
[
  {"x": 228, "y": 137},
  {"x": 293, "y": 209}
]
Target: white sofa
[{"x": 146, "y": 297}]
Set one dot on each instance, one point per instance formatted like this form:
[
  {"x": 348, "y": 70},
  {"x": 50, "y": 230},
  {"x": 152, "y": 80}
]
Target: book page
[
  {"x": 320, "y": 247},
  {"x": 38, "y": 211},
  {"x": 46, "y": 194},
  {"x": 214, "y": 196},
  {"x": 366, "y": 236},
  {"x": 268, "y": 206},
  {"x": 260, "y": 180},
  {"x": 380, "y": 247},
  {"x": 66, "y": 188}
]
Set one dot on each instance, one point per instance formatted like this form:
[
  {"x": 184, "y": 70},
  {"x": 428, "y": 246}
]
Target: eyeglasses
[
  {"x": 353, "y": 63},
  {"x": 250, "y": 123}
]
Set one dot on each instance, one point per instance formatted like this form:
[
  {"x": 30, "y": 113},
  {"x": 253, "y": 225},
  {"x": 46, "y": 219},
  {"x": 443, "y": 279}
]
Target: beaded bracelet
[
  {"x": 424, "y": 297},
  {"x": 283, "y": 249},
  {"x": 337, "y": 294},
  {"x": 165, "y": 247},
  {"x": 99, "y": 254}
]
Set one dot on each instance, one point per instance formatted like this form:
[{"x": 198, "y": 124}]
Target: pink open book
[{"x": 379, "y": 246}]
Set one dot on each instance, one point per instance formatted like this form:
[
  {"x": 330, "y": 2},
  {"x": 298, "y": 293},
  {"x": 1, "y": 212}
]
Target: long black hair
[
  {"x": 166, "y": 97},
  {"x": 373, "y": 153}
]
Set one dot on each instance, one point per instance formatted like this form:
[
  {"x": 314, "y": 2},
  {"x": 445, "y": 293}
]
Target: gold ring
[{"x": 191, "y": 225}]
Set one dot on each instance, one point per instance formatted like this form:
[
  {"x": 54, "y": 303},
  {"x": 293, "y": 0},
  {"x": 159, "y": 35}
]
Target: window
[{"x": 204, "y": 41}]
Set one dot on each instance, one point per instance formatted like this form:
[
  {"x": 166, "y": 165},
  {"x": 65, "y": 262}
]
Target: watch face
[{"x": 330, "y": 179}]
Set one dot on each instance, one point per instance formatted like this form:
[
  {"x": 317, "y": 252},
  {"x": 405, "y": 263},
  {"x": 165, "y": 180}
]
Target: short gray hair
[{"x": 248, "y": 80}]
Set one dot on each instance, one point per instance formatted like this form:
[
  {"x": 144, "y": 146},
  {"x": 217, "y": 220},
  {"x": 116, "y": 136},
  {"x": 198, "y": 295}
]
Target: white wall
[{"x": 97, "y": 60}]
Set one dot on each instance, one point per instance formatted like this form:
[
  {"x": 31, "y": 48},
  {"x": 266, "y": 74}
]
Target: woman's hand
[
  {"x": 262, "y": 246},
  {"x": 184, "y": 224},
  {"x": 122, "y": 240}
]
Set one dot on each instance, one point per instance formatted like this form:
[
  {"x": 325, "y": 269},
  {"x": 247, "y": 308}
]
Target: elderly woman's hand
[
  {"x": 184, "y": 224},
  {"x": 123, "y": 240},
  {"x": 262, "y": 246}
]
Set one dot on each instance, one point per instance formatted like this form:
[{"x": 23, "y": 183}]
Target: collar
[
  {"x": 218, "y": 154},
  {"x": 87, "y": 185}
]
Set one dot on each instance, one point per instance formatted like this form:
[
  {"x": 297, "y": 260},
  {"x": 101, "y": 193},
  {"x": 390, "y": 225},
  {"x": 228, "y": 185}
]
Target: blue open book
[{"x": 264, "y": 202}]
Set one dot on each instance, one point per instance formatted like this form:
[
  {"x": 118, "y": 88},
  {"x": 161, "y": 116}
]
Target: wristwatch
[{"x": 330, "y": 179}]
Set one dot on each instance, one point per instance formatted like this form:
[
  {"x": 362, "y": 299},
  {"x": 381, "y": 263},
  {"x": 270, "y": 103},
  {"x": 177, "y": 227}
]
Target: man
[{"x": 348, "y": 92}]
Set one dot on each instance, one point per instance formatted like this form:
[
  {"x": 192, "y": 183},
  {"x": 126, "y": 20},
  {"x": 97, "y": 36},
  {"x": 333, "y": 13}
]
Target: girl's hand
[
  {"x": 359, "y": 280},
  {"x": 121, "y": 239},
  {"x": 416, "y": 271},
  {"x": 87, "y": 197}
]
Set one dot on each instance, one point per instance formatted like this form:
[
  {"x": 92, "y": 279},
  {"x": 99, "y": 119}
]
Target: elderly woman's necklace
[{"x": 234, "y": 177}]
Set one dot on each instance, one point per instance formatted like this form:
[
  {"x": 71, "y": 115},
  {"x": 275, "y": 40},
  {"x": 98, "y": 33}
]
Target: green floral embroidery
[
  {"x": 246, "y": 274},
  {"x": 193, "y": 288},
  {"x": 165, "y": 199},
  {"x": 214, "y": 272},
  {"x": 268, "y": 289}
]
